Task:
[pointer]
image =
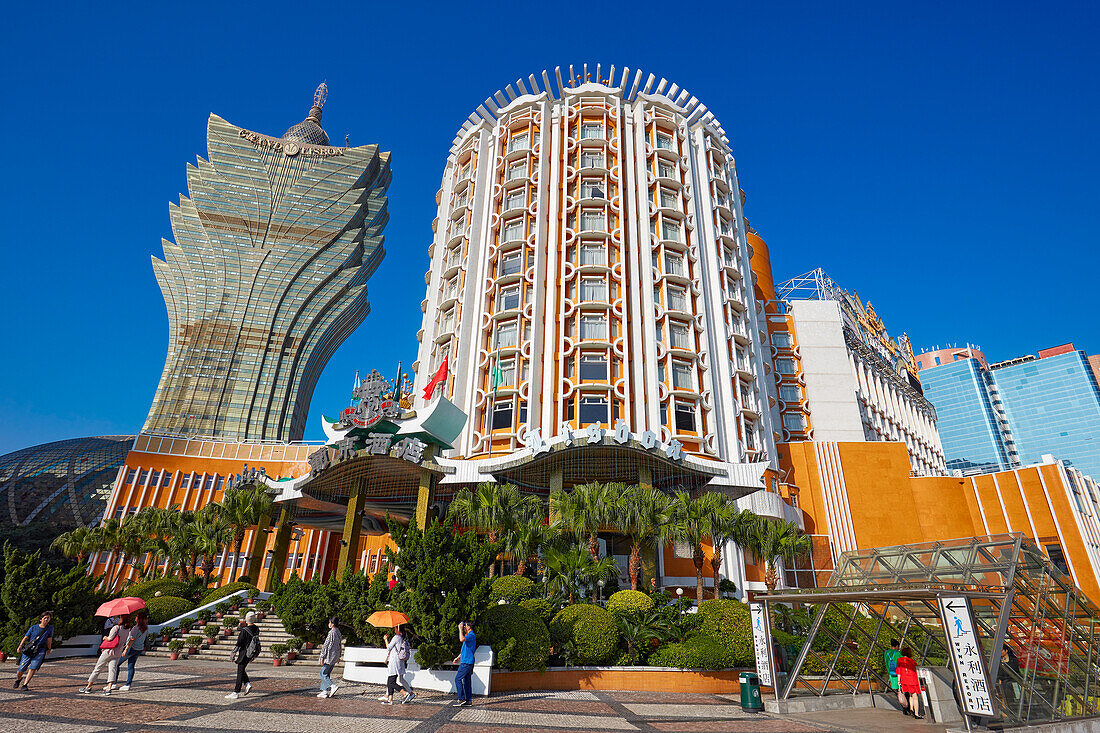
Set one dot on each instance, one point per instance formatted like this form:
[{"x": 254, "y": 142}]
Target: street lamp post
[{"x": 599, "y": 593}]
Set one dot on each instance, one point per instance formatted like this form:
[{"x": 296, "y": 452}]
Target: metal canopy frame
[{"x": 1040, "y": 635}]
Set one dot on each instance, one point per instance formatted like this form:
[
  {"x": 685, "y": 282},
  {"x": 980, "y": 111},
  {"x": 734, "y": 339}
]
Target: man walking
[
  {"x": 465, "y": 662},
  {"x": 329, "y": 656},
  {"x": 247, "y": 649},
  {"x": 32, "y": 650}
]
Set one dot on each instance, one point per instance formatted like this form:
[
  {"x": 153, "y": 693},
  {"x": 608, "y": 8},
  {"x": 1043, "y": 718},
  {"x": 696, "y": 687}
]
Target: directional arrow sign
[{"x": 967, "y": 655}]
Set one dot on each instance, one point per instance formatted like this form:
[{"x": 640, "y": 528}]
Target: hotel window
[
  {"x": 593, "y": 254},
  {"x": 664, "y": 141},
  {"x": 447, "y": 322},
  {"x": 454, "y": 257},
  {"x": 502, "y": 415},
  {"x": 442, "y": 353},
  {"x": 677, "y": 298},
  {"x": 517, "y": 170},
  {"x": 1057, "y": 558},
  {"x": 671, "y": 230},
  {"x": 785, "y": 366},
  {"x": 593, "y": 220},
  {"x": 513, "y": 231},
  {"x": 794, "y": 422},
  {"x": 373, "y": 564},
  {"x": 511, "y": 263},
  {"x": 450, "y": 288},
  {"x": 669, "y": 199},
  {"x": 790, "y": 393},
  {"x": 750, "y": 435},
  {"x": 679, "y": 335},
  {"x": 506, "y": 335},
  {"x": 508, "y": 298},
  {"x": 518, "y": 142},
  {"x": 593, "y": 410},
  {"x": 132, "y": 476},
  {"x": 592, "y": 159},
  {"x": 186, "y": 483},
  {"x": 463, "y": 199},
  {"x": 516, "y": 200},
  {"x": 464, "y": 171},
  {"x": 522, "y": 412},
  {"x": 685, "y": 417},
  {"x": 666, "y": 170},
  {"x": 591, "y": 131},
  {"x": 144, "y": 477},
  {"x": 592, "y": 188},
  {"x": 681, "y": 375},
  {"x": 674, "y": 264},
  {"x": 594, "y": 327},
  {"x": 781, "y": 339},
  {"x": 508, "y": 371},
  {"x": 593, "y": 368},
  {"x": 594, "y": 288}
]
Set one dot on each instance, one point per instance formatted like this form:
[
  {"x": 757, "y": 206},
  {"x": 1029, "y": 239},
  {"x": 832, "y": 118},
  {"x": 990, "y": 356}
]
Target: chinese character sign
[
  {"x": 760, "y": 634},
  {"x": 966, "y": 652}
]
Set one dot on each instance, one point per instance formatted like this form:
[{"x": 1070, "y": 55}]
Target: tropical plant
[
  {"x": 583, "y": 511},
  {"x": 572, "y": 569},
  {"x": 727, "y": 524},
  {"x": 242, "y": 508},
  {"x": 278, "y": 650},
  {"x": 642, "y": 514},
  {"x": 175, "y": 646},
  {"x": 523, "y": 540},
  {"x": 511, "y": 589},
  {"x": 76, "y": 544},
  {"x": 496, "y": 509},
  {"x": 775, "y": 540},
  {"x": 638, "y": 632},
  {"x": 690, "y": 522},
  {"x": 211, "y": 532}
]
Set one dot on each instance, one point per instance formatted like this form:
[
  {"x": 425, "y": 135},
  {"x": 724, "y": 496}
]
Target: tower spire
[{"x": 319, "y": 97}]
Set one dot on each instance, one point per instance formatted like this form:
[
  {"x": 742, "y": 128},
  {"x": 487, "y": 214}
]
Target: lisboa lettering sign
[
  {"x": 593, "y": 434},
  {"x": 289, "y": 147}
]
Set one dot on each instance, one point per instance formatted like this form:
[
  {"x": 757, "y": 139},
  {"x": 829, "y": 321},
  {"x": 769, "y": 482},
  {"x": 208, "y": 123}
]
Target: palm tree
[
  {"x": 523, "y": 541},
  {"x": 495, "y": 509},
  {"x": 691, "y": 522},
  {"x": 775, "y": 540},
  {"x": 584, "y": 510},
  {"x": 77, "y": 543},
  {"x": 243, "y": 508},
  {"x": 642, "y": 514},
  {"x": 727, "y": 524},
  {"x": 211, "y": 532},
  {"x": 572, "y": 568},
  {"x": 109, "y": 537}
]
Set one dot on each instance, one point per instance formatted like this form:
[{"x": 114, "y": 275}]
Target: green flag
[{"x": 498, "y": 375}]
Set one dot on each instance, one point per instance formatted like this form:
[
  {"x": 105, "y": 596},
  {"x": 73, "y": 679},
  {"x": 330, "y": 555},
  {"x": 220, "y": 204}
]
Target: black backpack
[
  {"x": 252, "y": 650},
  {"x": 32, "y": 648}
]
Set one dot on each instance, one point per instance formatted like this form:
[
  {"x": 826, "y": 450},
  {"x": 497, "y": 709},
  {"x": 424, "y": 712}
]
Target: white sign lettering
[
  {"x": 966, "y": 652},
  {"x": 760, "y": 636}
]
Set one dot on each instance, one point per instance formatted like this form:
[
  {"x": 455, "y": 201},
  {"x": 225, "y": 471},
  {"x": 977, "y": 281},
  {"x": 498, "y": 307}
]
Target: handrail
[{"x": 155, "y": 629}]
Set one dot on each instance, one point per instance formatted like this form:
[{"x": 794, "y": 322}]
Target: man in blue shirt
[
  {"x": 465, "y": 662},
  {"x": 32, "y": 649}
]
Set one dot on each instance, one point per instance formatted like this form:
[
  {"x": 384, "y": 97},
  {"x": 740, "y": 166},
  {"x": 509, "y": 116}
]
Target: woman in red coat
[{"x": 908, "y": 684}]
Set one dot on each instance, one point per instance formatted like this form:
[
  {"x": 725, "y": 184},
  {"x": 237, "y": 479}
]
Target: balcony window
[
  {"x": 677, "y": 298},
  {"x": 681, "y": 375},
  {"x": 508, "y": 371},
  {"x": 664, "y": 141},
  {"x": 447, "y": 322},
  {"x": 515, "y": 200},
  {"x": 591, "y": 131},
  {"x": 511, "y": 263},
  {"x": 685, "y": 417},
  {"x": 506, "y": 335},
  {"x": 785, "y": 366},
  {"x": 513, "y": 231},
  {"x": 502, "y": 415},
  {"x": 441, "y": 353},
  {"x": 671, "y": 230},
  {"x": 593, "y": 254},
  {"x": 666, "y": 170},
  {"x": 679, "y": 336},
  {"x": 463, "y": 199},
  {"x": 593, "y": 410},
  {"x": 592, "y": 159},
  {"x": 594, "y": 327},
  {"x": 781, "y": 339},
  {"x": 790, "y": 393},
  {"x": 463, "y": 172},
  {"x": 593, "y": 367},
  {"x": 794, "y": 422},
  {"x": 516, "y": 170},
  {"x": 669, "y": 199},
  {"x": 750, "y": 435},
  {"x": 593, "y": 288},
  {"x": 674, "y": 264},
  {"x": 519, "y": 142},
  {"x": 508, "y": 298},
  {"x": 592, "y": 188},
  {"x": 450, "y": 288},
  {"x": 593, "y": 220}
]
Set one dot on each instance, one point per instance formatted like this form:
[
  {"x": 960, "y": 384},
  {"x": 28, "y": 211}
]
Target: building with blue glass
[{"x": 1013, "y": 413}]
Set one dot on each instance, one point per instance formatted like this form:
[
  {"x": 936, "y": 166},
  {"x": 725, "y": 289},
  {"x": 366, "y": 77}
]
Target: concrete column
[
  {"x": 425, "y": 493},
  {"x": 282, "y": 544},
  {"x": 259, "y": 545},
  {"x": 353, "y": 524}
]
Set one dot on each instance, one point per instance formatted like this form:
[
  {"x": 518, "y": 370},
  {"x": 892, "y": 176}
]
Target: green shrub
[
  {"x": 294, "y": 643},
  {"x": 512, "y": 588},
  {"x": 222, "y": 608},
  {"x": 698, "y": 652},
  {"x": 278, "y": 650},
  {"x": 263, "y": 606},
  {"x": 230, "y": 622},
  {"x": 541, "y": 607},
  {"x": 585, "y": 634},
  {"x": 203, "y": 616},
  {"x": 225, "y": 590},
  {"x": 167, "y": 630},
  {"x": 176, "y": 645},
  {"x": 165, "y": 586},
  {"x": 211, "y": 630},
  {"x": 518, "y": 637},
  {"x": 727, "y": 621},
  {"x": 11, "y": 642},
  {"x": 629, "y": 602},
  {"x": 166, "y": 608},
  {"x": 193, "y": 641}
]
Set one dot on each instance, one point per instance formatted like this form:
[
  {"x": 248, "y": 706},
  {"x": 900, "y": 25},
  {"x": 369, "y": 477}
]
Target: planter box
[
  {"x": 635, "y": 679},
  {"x": 368, "y": 665}
]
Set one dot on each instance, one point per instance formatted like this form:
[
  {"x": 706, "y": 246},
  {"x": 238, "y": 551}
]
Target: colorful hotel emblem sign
[{"x": 375, "y": 399}]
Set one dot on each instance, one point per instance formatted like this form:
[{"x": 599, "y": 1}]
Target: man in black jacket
[{"x": 245, "y": 652}]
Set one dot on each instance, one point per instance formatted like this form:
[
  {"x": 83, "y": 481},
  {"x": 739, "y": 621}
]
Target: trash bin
[{"x": 750, "y": 692}]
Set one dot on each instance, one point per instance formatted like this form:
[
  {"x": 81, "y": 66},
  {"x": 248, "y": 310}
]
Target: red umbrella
[{"x": 120, "y": 606}]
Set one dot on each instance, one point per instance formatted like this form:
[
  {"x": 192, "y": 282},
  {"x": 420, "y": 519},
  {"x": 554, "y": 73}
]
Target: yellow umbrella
[{"x": 387, "y": 619}]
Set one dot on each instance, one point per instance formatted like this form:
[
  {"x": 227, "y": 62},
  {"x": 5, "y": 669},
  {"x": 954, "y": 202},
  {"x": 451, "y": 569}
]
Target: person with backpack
[
  {"x": 398, "y": 651},
  {"x": 329, "y": 656},
  {"x": 109, "y": 655},
  {"x": 247, "y": 649},
  {"x": 32, "y": 650},
  {"x": 135, "y": 647}
]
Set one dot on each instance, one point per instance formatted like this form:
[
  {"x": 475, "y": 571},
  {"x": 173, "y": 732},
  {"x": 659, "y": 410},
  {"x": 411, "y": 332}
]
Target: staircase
[{"x": 271, "y": 632}]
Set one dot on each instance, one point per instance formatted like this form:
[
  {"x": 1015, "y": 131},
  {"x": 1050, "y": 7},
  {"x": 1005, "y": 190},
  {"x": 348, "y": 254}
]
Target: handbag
[{"x": 109, "y": 643}]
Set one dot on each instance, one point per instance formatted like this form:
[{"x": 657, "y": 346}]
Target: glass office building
[
  {"x": 266, "y": 277},
  {"x": 972, "y": 441}
]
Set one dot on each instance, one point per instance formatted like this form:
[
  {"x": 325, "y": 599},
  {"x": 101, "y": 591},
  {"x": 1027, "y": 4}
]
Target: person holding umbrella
[
  {"x": 32, "y": 649},
  {"x": 397, "y": 653},
  {"x": 112, "y": 647}
]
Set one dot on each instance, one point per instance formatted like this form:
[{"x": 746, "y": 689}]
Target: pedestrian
[
  {"x": 135, "y": 646},
  {"x": 109, "y": 655},
  {"x": 908, "y": 684},
  {"x": 329, "y": 656},
  {"x": 890, "y": 658},
  {"x": 33, "y": 647},
  {"x": 397, "y": 654},
  {"x": 465, "y": 662},
  {"x": 247, "y": 649}
]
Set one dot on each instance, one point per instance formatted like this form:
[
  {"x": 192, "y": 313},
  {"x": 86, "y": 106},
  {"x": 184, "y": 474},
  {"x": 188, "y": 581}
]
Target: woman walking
[
  {"x": 32, "y": 650},
  {"x": 135, "y": 647},
  {"x": 109, "y": 655},
  {"x": 330, "y": 655},
  {"x": 247, "y": 649},
  {"x": 397, "y": 654}
]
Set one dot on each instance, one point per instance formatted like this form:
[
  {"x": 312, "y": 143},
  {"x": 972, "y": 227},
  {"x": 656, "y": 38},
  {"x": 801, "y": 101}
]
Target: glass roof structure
[{"x": 1039, "y": 634}]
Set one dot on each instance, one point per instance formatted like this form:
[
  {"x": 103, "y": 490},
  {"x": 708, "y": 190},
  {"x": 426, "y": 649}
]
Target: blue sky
[{"x": 939, "y": 158}]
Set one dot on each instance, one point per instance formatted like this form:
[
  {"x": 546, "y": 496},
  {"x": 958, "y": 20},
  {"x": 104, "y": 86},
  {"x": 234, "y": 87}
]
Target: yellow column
[
  {"x": 256, "y": 552},
  {"x": 425, "y": 494},
  {"x": 649, "y": 562},
  {"x": 282, "y": 544},
  {"x": 353, "y": 524}
]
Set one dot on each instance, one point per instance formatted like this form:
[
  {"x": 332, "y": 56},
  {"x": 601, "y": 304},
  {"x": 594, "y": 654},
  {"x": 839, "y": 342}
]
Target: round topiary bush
[
  {"x": 587, "y": 634},
  {"x": 541, "y": 607},
  {"x": 166, "y": 608},
  {"x": 629, "y": 602},
  {"x": 728, "y": 622},
  {"x": 698, "y": 652},
  {"x": 512, "y": 588},
  {"x": 225, "y": 590},
  {"x": 518, "y": 637},
  {"x": 164, "y": 586}
]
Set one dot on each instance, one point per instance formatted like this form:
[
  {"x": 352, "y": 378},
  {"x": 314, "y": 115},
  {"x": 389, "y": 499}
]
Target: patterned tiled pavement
[{"x": 189, "y": 696}]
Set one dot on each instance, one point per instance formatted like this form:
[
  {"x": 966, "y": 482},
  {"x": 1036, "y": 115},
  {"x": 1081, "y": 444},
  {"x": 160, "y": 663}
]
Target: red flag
[{"x": 439, "y": 378}]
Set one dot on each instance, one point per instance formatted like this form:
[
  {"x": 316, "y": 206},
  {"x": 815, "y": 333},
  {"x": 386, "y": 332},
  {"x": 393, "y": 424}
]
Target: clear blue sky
[{"x": 940, "y": 158}]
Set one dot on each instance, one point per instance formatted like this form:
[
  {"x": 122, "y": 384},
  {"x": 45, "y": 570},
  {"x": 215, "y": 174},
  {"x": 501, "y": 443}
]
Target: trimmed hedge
[
  {"x": 728, "y": 622},
  {"x": 588, "y": 634},
  {"x": 518, "y": 637},
  {"x": 224, "y": 591},
  {"x": 512, "y": 588},
  {"x": 541, "y": 608},
  {"x": 629, "y": 602},
  {"x": 698, "y": 652},
  {"x": 166, "y": 608},
  {"x": 165, "y": 586}
]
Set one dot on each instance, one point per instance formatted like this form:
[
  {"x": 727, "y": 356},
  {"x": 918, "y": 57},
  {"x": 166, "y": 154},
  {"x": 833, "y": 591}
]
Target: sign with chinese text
[
  {"x": 760, "y": 645},
  {"x": 966, "y": 652}
]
